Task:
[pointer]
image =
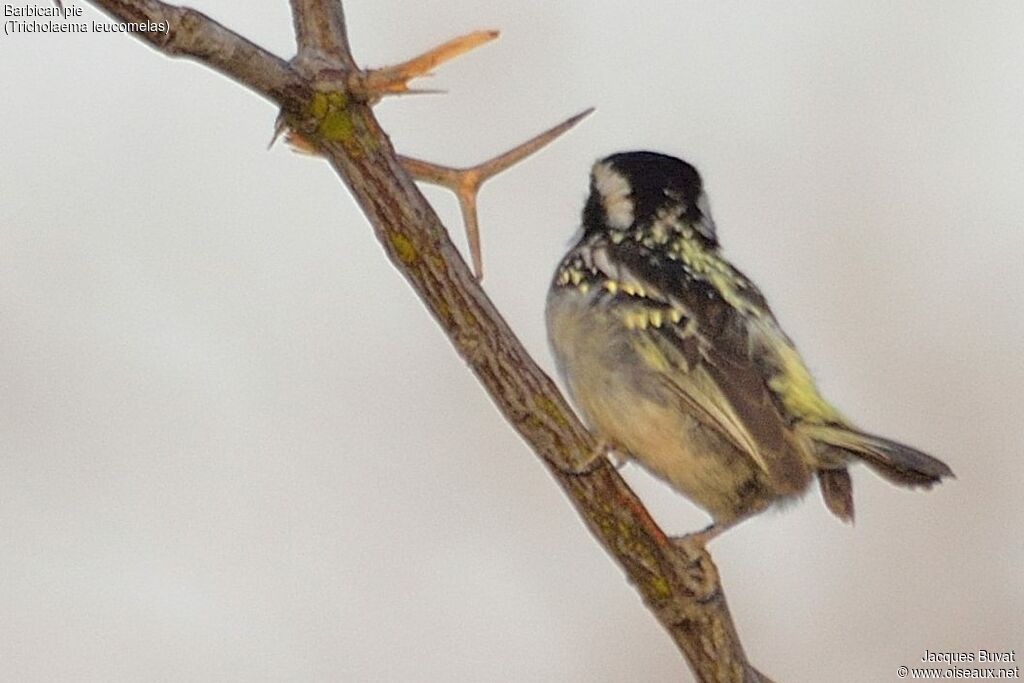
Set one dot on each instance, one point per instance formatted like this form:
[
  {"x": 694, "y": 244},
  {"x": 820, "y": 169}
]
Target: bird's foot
[
  {"x": 618, "y": 459},
  {"x": 592, "y": 460},
  {"x": 696, "y": 540},
  {"x": 693, "y": 543}
]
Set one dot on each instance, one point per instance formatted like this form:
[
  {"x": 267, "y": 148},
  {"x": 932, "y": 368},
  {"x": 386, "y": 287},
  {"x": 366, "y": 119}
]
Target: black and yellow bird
[{"x": 674, "y": 358}]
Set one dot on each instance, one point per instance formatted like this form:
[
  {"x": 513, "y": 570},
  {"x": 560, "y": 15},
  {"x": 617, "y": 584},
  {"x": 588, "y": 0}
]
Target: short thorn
[{"x": 394, "y": 80}]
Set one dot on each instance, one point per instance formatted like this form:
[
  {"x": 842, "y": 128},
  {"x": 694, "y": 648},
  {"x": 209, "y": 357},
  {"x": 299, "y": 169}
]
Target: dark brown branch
[
  {"x": 320, "y": 32},
  {"x": 194, "y": 35},
  {"x": 680, "y": 587}
]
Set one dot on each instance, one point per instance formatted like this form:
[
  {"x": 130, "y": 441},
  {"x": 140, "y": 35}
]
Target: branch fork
[{"x": 372, "y": 85}]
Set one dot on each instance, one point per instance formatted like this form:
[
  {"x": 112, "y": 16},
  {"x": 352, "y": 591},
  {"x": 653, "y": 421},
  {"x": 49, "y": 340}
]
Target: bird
[{"x": 674, "y": 359}]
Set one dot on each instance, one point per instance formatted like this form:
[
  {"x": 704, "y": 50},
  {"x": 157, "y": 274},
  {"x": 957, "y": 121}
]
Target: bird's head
[{"x": 632, "y": 191}]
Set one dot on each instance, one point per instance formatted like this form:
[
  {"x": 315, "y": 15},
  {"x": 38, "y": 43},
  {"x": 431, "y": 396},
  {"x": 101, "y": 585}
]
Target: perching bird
[{"x": 674, "y": 358}]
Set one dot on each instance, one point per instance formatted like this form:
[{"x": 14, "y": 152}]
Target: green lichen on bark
[{"x": 333, "y": 116}]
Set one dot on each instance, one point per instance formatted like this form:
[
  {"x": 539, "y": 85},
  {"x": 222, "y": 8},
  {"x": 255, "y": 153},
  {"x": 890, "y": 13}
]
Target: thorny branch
[{"x": 326, "y": 99}]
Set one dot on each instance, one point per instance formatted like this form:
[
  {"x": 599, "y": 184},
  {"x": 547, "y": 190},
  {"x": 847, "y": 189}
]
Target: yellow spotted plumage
[{"x": 674, "y": 358}]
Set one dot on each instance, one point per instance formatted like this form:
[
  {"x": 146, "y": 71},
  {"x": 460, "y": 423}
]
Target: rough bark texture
[{"x": 316, "y": 95}]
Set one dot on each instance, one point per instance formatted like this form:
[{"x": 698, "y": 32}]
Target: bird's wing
[{"x": 698, "y": 330}]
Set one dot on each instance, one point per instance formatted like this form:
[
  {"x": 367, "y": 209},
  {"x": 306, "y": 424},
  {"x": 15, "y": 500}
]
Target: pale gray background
[{"x": 234, "y": 446}]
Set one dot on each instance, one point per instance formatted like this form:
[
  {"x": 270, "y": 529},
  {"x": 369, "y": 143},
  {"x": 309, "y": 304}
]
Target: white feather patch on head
[{"x": 616, "y": 195}]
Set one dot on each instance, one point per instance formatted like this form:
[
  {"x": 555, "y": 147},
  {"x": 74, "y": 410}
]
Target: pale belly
[{"x": 624, "y": 403}]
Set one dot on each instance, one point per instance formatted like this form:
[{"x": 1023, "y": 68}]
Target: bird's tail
[{"x": 902, "y": 465}]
